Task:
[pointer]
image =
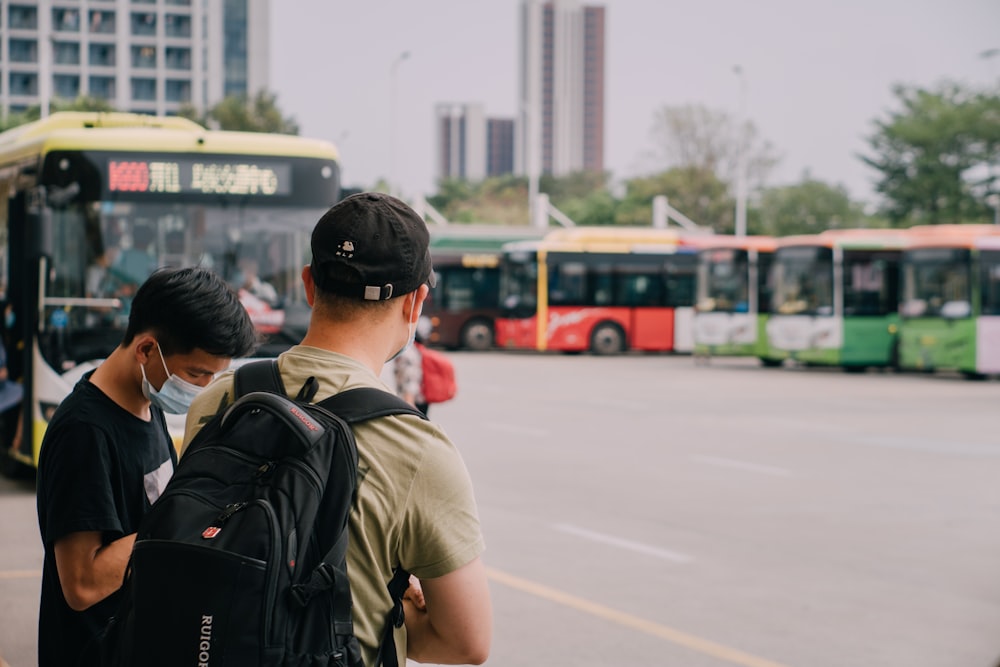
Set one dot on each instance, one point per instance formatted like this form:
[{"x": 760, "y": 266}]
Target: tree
[
  {"x": 695, "y": 137},
  {"x": 239, "y": 113},
  {"x": 806, "y": 208},
  {"x": 81, "y": 103},
  {"x": 938, "y": 156},
  {"x": 694, "y": 191}
]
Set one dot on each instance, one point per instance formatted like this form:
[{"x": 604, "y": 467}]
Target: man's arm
[
  {"x": 88, "y": 570},
  {"x": 455, "y": 625}
]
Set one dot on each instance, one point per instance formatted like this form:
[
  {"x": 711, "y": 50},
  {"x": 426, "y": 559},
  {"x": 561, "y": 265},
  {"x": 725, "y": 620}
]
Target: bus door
[
  {"x": 641, "y": 290},
  {"x": 988, "y": 324}
]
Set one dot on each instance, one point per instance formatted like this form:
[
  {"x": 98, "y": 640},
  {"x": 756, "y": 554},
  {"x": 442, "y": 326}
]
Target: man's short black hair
[{"x": 191, "y": 308}]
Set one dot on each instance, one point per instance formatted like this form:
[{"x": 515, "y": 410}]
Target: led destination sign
[{"x": 208, "y": 177}]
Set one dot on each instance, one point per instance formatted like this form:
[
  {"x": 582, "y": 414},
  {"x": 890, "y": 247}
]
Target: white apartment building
[{"x": 145, "y": 56}]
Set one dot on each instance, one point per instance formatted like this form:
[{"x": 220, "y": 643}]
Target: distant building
[
  {"x": 470, "y": 145},
  {"x": 560, "y": 125},
  {"x": 148, "y": 56}
]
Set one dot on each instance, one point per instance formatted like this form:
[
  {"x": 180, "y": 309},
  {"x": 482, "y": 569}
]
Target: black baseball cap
[{"x": 371, "y": 246}]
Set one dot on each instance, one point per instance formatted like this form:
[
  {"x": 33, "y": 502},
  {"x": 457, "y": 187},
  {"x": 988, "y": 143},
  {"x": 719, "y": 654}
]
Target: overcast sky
[{"x": 818, "y": 72}]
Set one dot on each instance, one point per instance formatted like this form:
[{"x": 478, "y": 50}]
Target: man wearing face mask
[
  {"x": 107, "y": 455},
  {"x": 414, "y": 506}
]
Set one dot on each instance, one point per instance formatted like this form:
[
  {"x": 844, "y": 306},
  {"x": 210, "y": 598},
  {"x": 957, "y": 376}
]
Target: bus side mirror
[{"x": 956, "y": 310}]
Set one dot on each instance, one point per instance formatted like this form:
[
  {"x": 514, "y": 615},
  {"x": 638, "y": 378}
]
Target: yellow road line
[
  {"x": 20, "y": 574},
  {"x": 673, "y": 636}
]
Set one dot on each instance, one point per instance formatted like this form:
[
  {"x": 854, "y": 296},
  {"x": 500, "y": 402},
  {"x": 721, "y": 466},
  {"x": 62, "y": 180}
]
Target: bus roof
[
  {"x": 760, "y": 243},
  {"x": 604, "y": 240},
  {"x": 127, "y": 132},
  {"x": 857, "y": 239},
  {"x": 955, "y": 236},
  {"x": 459, "y": 238}
]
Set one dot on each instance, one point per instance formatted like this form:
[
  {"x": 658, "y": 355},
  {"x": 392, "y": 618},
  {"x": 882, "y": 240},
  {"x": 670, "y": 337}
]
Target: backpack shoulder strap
[
  {"x": 364, "y": 403},
  {"x": 260, "y": 375}
]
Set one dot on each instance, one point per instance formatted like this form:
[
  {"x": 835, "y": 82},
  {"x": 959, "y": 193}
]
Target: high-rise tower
[{"x": 560, "y": 126}]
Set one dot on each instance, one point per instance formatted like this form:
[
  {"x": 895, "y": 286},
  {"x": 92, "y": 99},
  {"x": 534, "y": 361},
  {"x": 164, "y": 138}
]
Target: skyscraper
[
  {"x": 148, "y": 56},
  {"x": 472, "y": 146},
  {"x": 560, "y": 126}
]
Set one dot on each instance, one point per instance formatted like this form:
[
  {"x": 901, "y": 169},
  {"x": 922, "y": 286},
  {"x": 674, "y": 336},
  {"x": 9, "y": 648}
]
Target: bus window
[
  {"x": 870, "y": 284},
  {"x": 804, "y": 281},
  {"x": 519, "y": 285},
  {"x": 640, "y": 289},
  {"x": 989, "y": 272},
  {"x": 568, "y": 284},
  {"x": 936, "y": 280},
  {"x": 680, "y": 278}
]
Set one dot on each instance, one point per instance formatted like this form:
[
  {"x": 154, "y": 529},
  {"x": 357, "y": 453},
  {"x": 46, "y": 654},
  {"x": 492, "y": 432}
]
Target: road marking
[
  {"x": 20, "y": 574},
  {"x": 624, "y": 544},
  {"x": 683, "y": 639},
  {"x": 742, "y": 465},
  {"x": 517, "y": 430},
  {"x": 931, "y": 445}
]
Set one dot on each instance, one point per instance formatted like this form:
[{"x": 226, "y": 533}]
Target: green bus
[
  {"x": 836, "y": 298},
  {"x": 950, "y": 306},
  {"x": 733, "y": 296}
]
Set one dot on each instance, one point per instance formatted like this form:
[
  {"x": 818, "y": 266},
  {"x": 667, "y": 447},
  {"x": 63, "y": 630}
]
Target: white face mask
[
  {"x": 174, "y": 396},
  {"x": 412, "y": 326}
]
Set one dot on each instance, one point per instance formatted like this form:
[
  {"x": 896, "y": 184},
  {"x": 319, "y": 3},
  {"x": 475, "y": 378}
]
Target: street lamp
[
  {"x": 392, "y": 118},
  {"x": 741, "y": 161}
]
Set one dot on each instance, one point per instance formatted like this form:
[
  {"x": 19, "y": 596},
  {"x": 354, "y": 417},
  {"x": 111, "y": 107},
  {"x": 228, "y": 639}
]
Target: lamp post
[
  {"x": 392, "y": 119},
  {"x": 741, "y": 159}
]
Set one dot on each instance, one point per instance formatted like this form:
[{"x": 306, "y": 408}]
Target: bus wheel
[
  {"x": 607, "y": 338},
  {"x": 767, "y": 362},
  {"x": 477, "y": 335}
]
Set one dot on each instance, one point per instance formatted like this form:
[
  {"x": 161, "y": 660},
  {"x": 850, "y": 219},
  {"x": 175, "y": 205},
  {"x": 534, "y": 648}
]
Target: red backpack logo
[{"x": 438, "y": 384}]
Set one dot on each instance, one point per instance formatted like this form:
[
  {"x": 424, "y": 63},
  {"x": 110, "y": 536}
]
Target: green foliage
[
  {"x": 696, "y": 192},
  {"x": 238, "y": 113},
  {"x": 81, "y": 103},
  {"x": 805, "y": 208},
  {"x": 937, "y": 156}
]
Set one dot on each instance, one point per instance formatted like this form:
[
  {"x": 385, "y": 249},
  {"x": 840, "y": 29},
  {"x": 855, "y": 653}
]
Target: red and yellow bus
[{"x": 605, "y": 289}]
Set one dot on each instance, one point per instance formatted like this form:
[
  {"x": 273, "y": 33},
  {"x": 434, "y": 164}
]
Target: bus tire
[
  {"x": 767, "y": 362},
  {"x": 607, "y": 338},
  {"x": 477, "y": 335}
]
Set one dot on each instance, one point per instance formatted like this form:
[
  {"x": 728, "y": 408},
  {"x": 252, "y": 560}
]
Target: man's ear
[
  {"x": 144, "y": 345},
  {"x": 308, "y": 284}
]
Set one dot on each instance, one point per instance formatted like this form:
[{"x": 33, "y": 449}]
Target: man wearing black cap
[{"x": 414, "y": 507}]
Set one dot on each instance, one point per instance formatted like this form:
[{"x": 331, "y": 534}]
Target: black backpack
[{"x": 242, "y": 559}]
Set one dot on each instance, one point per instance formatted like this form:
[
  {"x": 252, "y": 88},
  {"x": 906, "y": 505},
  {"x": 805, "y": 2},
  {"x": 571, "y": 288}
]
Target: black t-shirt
[{"x": 100, "y": 468}]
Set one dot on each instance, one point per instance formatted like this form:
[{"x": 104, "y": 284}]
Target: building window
[
  {"x": 23, "y": 51},
  {"x": 102, "y": 23},
  {"x": 66, "y": 86},
  {"x": 20, "y": 17},
  {"x": 23, "y": 83},
  {"x": 144, "y": 90},
  {"x": 180, "y": 3},
  {"x": 143, "y": 23},
  {"x": 178, "y": 25},
  {"x": 66, "y": 20},
  {"x": 178, "y": 58},
  {"x": 144, "y": 57},
  {"x": 234, "y": 40},
  {"x": 102, "y": 55},
  {"x": 143, "y": 2},
  {"x": 178, "y": 91},
  {"x": 102, "y": 86},
  {"x": 66, "y": 53}
]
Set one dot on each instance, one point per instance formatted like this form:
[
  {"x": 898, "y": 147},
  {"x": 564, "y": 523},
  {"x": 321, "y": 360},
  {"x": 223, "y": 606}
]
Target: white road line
[
  {"x": 624, "y": 544},
  {"x": 742, "y": 465},
  {"x": 517, "y": 430}
]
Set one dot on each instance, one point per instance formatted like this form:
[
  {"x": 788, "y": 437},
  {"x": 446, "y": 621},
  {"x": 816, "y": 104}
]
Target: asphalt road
[{"x": 645, "y": 510}]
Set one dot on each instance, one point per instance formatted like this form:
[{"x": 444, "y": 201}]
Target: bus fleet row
[{"x": 925, "y": 298}]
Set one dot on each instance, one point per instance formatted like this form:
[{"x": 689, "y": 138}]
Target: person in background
[
  {"x": 106, "y": 455},
  {"x": 414, "y": 505},
  {"x": 408, "y": 370}
]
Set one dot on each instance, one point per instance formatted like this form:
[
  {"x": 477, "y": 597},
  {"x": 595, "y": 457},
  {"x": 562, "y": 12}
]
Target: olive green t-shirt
[{"x": 414, "y": 507}]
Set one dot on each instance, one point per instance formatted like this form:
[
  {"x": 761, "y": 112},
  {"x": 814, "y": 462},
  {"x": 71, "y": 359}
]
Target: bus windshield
[
  {"x": 723, "y": 281},
  {"x": 937, "y": 283},
  {"x": 519, "y": 285},
  {"x": 101, "y": 251},
  {"x": 803, "y": 281}
]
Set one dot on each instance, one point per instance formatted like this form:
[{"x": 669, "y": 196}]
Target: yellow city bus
[
  {"x": 602, "y": 289},
  {"x": 97, "y": 201}
]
